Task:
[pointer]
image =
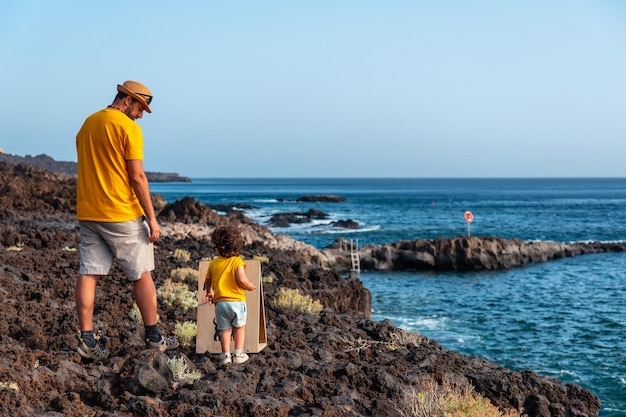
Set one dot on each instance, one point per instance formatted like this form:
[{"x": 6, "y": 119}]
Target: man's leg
[
  {"x": 146, "y": 299},
  {"x": 85, "y": 294}
]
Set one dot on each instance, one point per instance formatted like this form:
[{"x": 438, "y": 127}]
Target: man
[{"x": 115, "y": 213}]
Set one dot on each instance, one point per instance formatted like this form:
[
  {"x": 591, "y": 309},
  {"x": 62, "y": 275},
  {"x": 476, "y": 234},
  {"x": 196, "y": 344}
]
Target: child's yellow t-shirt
[{"x": 221, "y": 272}]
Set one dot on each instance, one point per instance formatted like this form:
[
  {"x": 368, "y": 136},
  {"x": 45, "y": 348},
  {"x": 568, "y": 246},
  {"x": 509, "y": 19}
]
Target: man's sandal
[
  {"x": 96, "y": 353},
  {"x": 164, "y": 343}
]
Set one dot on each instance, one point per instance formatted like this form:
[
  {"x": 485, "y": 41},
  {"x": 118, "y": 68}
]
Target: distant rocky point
[
  {"x": 460, "y": 253},
  {"x": 324, "y": 198},
  {"x": 71, "y": 168}
]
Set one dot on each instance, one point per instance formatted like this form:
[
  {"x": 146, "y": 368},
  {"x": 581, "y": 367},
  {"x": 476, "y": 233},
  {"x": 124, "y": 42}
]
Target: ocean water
[{"x": 564, "y": 318}]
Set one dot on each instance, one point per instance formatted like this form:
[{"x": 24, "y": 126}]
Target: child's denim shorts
[{"x": 230, "y": 314}]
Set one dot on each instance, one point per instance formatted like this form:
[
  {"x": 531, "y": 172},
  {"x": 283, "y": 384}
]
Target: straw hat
[{"x": 138, "y": 91}]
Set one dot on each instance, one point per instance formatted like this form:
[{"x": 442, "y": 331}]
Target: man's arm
[{"x": 139, "y": 183}]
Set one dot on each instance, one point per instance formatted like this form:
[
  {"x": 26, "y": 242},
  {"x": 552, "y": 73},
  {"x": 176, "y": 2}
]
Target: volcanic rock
[
  {"x": 324, "y": 198},
  {"x": 285, "y": 219},
  {"x": 461, "y": 253},
  {"x": 335, "y": 363}
]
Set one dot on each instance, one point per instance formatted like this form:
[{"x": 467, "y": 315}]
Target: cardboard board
[{"x": 207, "y": 338}]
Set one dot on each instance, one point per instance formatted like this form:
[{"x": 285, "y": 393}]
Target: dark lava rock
[
  {"x": 346, "y": 224},
  {"x": 285, "y": 219}
]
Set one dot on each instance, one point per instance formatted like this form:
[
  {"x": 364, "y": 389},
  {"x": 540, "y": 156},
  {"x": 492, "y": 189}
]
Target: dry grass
[
  {"x": 433, "y": 400},
  {"x": 398, "y": 338},
  {"x": 401, "y": 338}
]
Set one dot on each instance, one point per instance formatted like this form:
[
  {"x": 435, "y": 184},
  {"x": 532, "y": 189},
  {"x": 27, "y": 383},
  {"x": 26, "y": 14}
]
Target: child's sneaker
[
  {"x": 163, "y": 344},
  {"x": 240, "y": 358},
  {"x": 225, "y": 360},
  {"x": 96, "y": 353}
]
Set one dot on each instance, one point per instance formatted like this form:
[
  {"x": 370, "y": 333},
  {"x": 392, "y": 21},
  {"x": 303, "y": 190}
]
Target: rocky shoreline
[
  {"x": 336, "y": 363},
  {"x": 460, "y": 253}
]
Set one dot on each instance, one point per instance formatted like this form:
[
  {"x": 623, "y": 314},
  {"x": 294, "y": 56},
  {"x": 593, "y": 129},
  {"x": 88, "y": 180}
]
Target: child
[{"x": 225, "y": 284}]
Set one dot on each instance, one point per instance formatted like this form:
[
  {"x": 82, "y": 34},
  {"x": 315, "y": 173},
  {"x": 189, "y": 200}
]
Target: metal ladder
[{"x": 354, "y": 255}]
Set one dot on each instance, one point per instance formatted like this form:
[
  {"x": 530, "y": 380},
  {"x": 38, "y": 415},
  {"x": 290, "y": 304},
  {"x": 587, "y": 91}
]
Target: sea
[{"x": 564, "y": 318}]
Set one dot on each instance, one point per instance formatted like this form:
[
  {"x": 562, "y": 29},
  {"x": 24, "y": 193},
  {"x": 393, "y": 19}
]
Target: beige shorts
[{"x": 101, "y": 243}]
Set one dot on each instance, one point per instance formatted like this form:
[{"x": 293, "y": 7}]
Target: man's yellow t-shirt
[
  {"x": 221, "y": 272},
  {"x": 104, "y": 143}
]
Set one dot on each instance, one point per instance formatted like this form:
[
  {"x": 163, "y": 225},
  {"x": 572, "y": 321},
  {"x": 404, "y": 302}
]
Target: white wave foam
[
  {"x": 267, "y": 200},
  {"x": 426, "y": 322},
  {"x": 339, "y": 230},
  {"x": 567, "y": 372}
]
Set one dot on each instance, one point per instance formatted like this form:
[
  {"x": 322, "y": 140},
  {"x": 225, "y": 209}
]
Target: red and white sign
[{"x": 469, "y": 217}]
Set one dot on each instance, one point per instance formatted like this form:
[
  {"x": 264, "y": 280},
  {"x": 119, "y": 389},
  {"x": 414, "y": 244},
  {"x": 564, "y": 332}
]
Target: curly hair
[{"x": 227, "y": 240}]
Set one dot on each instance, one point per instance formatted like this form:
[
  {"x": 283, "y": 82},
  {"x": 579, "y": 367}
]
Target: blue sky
[{"x": 328, "y": 88}]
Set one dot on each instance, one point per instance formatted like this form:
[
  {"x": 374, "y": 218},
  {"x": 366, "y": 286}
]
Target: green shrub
[
  {"x": 186, "y": 332},
  {"x": 291, "y": 301},
  {"x": 181, "y": 255},
  {"x": 184, "y": 274},
  {"x": 180, "y": 373},
  {"x": 177, "y": 294}
]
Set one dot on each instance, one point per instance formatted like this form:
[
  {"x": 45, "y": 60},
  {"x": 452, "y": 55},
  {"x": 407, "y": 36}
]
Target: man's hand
[{"x": 155, "y": 230}]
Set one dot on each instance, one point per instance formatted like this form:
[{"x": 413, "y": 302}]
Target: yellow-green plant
[
  {"x": 180, "y": 373},
  {"x": 433, "y": 400},
  {"x": 267, "y": 280},
  {"x": 135, "y": 314},
  {"x": 186, "y": 332},
  {"x": 10, "y": 385},
  {"x": 181, "y": 255},
  {"x": 260, "y": 258},
  {"x": 17, "y": 247},
  {"x": 184, "y": 274},
  {"x": 290, "y": 300},
  {"x": 177, "y": 294}
]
